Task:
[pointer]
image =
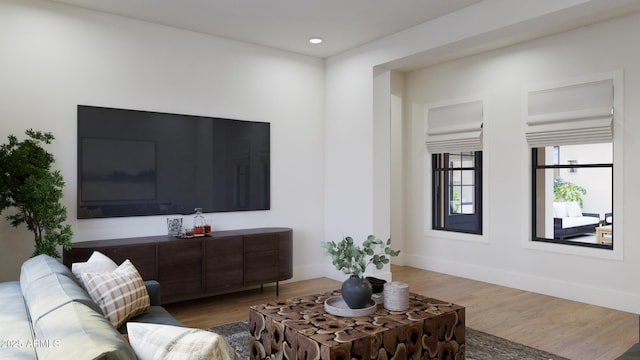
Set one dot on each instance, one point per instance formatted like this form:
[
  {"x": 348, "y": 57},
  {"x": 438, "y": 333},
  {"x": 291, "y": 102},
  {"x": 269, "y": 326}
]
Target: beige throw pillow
[{"x": 121, "y": 294}]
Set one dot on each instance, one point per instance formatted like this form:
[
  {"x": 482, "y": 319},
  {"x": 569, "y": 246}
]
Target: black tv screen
[{"x": 133, "y": 163}]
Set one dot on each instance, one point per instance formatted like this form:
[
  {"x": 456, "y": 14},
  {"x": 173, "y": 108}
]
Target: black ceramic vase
[{"x": 356, "y": 292}]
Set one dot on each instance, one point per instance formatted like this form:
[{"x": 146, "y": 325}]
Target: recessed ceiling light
[{"x": 315, "y": 40}]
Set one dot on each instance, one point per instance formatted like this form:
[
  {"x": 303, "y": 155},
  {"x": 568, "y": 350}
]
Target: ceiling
[{"x": 285, "y": 24}]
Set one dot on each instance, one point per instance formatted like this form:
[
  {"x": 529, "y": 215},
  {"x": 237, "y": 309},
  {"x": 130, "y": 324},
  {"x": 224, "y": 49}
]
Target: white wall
[
  {"x": 55, "y": 57},
  {"x": 503, "y": 255},
  {"x": 508, "y": 257}
]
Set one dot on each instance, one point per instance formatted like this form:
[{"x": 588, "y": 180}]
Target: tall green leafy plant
[{"x": 28, "y": 184}]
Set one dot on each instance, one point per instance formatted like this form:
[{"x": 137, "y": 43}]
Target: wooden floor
[{"x": 566, "y": 328}]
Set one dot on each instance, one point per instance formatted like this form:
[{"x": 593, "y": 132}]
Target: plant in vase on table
[{"x": 353, "y": 260}]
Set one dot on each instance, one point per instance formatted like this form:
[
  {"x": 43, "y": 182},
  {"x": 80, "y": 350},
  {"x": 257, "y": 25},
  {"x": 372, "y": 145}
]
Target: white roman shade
[
  {"x": 454, "y": 128},
  {"x": 576, "y": 114}
]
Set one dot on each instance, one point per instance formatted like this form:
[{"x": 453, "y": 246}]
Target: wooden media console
[{"x": 191, "y": 268}]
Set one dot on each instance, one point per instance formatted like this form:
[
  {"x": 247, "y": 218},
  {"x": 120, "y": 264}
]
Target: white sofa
[
  {"x": 569, "y": 220},
  {"x": 48, "y": 315}
]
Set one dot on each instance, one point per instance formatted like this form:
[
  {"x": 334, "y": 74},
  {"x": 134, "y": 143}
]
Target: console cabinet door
[
  {"x": 260, "y": 259},
  {"x": 180, "y": 268},
  {"x": 143, "y": 257},
  {"x": 223, "y": 264},
  {"x": 285, "y": 253}
]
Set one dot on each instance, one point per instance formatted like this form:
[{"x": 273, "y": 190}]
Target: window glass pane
[
  {"x": 455, "y": 202},
  {"x": 455, "y": 177},
  {"x": 577, "y": 154},
  {"x": 454, "y": 161},
  {"x": 466, "y": 202},
  {"x": 461, "y": 160},
  {"x": 467, "y": 160},
  {"x": 467, "y": 177},
  {"x": 570, "y": 205}
]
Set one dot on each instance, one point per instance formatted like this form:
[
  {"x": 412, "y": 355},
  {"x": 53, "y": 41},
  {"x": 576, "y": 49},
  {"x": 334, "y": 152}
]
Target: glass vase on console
[{"x": 198, "y": 223}]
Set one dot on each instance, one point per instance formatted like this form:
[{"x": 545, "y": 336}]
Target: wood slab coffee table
[{"x": 300, "y": 328}]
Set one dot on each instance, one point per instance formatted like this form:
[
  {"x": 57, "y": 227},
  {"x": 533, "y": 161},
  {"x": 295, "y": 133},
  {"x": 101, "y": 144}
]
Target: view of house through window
[
  {"x": 573, "y": 195},
  {"x": 457, "y": 191}
]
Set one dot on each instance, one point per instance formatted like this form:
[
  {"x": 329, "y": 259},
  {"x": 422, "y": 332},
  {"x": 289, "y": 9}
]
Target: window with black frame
[
  {"x": 573, "y": 194},
  {"x": 570, "y": 131},
  {"x": 457, "y": 192}
]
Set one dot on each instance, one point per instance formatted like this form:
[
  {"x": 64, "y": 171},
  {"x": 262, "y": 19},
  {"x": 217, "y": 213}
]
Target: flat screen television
[{"x": 133, "y": 163}]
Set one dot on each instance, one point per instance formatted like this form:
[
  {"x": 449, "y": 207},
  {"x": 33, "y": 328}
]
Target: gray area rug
[{"x": 479, "y": 346}]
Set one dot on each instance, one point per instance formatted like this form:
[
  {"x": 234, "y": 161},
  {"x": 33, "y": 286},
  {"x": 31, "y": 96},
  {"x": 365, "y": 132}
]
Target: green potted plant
[
  {"x": 568, "y": 191},
  {"x": 28, "y": 184},
  {"x": 353, "y": 260}
]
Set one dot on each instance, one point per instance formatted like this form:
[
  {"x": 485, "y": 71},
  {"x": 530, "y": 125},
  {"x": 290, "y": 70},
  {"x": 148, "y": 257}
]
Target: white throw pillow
[
  {"x": 121, "y": 294},
  {"x": 154, "y": 341},
  {"x": 573, "y": 209},
  {"x": 97, "y": 263},
  {"x": 559, "y": 210}
]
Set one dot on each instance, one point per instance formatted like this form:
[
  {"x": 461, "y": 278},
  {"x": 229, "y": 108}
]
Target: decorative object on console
[
  {"x": 201, "y": 226},
  {"x": 29, "y": 185},
  {"x": 198, "y": 223},
  {"x": 174, "y": 226},
  {"x": 353, "y": 260}
]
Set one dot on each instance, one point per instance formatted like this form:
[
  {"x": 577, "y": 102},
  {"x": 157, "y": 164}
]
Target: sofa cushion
[
  {"x": 121, "y": 294},
  {"x": 47, "y": 284},
  {"x": 75, "y": 331},
  {"x": 40, "y": 266},
  {"x": 573, "y": 209},
  {"x": 570, "y": 222},
  {"x": 48, "y": 293},
  {"x": 97, "y": 263},
  {"x": 16, "y": 331},
  {"x": 153, "y": 341},
  {"x": 559, "y": 210}
]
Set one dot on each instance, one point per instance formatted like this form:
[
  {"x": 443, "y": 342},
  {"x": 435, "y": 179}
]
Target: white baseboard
[
  {"x": 306, "y": 272},
  {"x": 608, "y": 298}
]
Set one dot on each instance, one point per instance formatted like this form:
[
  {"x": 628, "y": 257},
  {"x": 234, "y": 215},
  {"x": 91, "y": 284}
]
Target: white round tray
[{"x": 335, "y": 305}]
